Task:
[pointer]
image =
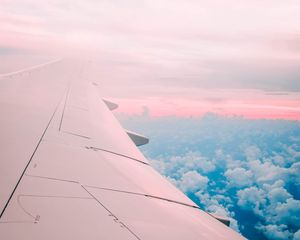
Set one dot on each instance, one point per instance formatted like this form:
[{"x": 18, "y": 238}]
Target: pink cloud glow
[
  {"x": 198, "y": 110},
  {"x": 175, "y": 57},
  {"x": 260, "y": 106}
]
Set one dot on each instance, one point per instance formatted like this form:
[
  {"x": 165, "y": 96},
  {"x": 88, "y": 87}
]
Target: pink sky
[
  {"x": 265, "y": 107},
  {"x": 232, "y": 57}
]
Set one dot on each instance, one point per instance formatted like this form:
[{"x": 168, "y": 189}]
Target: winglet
[
  {"x": 111, "y": 106},
  {"x": 138, "y": 139},
  {"x": 224, "y": 220}
]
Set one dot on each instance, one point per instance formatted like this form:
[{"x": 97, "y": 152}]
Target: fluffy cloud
[
  {"x": 219, "y": 205},
  {"x": 252, "y": 153},
  {"x": 297, "y": 235},
  {"x": 295, "y": 173},
  {"x": 185, "y": 43},
  {"x": 276, "y": 192},
  {"x": 276, "y": 232},
  {"x": 192, "y": 181},
  {"x": 288, "y": 212},
  {"x": 278, "y": 195},
  {"x": 253, "y": 199},
  {"x": 176, "y": 166},
  {"x": 246, "y": 170},
  {"x": 239, "y": 177},
  {"x": 266, "y": 171}
]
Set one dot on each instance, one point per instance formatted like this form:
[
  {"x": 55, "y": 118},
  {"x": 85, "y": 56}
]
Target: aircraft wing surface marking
[{"x": 70, "y": 171}]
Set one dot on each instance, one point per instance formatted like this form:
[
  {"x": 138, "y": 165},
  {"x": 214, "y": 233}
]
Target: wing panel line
[
  {"x": 119, "y": 154},
  {"x": 63, "y": 112},
  {"x": 111, "y": 214},
  {"x": 116, "y": 190},
  {"x": 37, "y": 146},
  {"x": 145, "y": 195},
  {"x": 10, "y": 74}
]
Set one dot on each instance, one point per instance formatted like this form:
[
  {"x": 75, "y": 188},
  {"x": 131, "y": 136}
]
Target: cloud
[
  {"x": 253, "y": 199},
  {"x": 276, "y": 232},
  {"x": 295, "y": 173},
  {"x": 278, "y": 195},
  {"x": 218, "y": 204},
  {"x": 288, "y": 212},
  {"x": 193, "y": 44},
  {"x": 238, "y": 168},
  {"x": 178, "y": 165},
  {"x": 297, "y": 235},
  {"x": 239, "y": 177},
  {"x": 266, "y": 171},
  {"x": 252, "y": 153},
  {"x": 192, "y": 181}
]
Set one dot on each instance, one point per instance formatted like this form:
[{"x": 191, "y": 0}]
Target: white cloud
[
  {"x": 226, "y": 161},
  {"x": 239, "y": 177},
  {"x": 176, "y": 166},
  {"x": 273, "y": 202},
  {"x": 295, "y": 173},
  {"x": 275, "y": 232},
  {"x": 288, "y": 212},
  {"x": 192, "y": 181},
  {"x": 159, "y": 165},
  {"x": 267, "y": 172},
  {"x": 297, "y": 235},
  {"x": 253, "y": 199},
  {"x": 193, "y": 43},
  {"x": 212, "y": 204},
  {"x": 294, "y": 153},
  {"x": 252, "y": 153},
  {"x": 279, "y": 160},
  {"x": 278, "y": 195}
]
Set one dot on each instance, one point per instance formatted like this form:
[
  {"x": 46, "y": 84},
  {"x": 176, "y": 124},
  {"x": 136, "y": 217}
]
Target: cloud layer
[
  {"x": 208, "y": 44},
  {"x": 247, "y": 170},
  {"x": 178, "y": 57}
]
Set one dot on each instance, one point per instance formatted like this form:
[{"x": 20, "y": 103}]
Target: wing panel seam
[
  {"x": 63, "y": 112},
  {"x": 145, "y": 195},
  {"x": 27, "y": 165},
  {"x": 119, "y": 154},
  {"x": 116, "y": 219}
]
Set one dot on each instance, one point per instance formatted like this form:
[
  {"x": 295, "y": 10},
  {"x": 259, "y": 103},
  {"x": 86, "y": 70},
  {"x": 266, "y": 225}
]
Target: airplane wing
[{"x": 68, "y": 170}]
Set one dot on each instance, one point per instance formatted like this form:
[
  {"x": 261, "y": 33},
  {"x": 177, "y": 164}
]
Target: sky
[
  {"x": 177, "y": 57},
  {"x": 214, "y": 84}
]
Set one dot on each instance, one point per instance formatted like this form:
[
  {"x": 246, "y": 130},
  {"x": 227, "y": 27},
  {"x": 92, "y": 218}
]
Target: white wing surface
[{"x": 68, "y": 170}]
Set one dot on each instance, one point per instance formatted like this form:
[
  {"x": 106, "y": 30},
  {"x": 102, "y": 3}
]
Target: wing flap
[
  {"x": 152, "y": 218},
  {"x": 100, "y": 169},
  {"x": 68, "y": 213},
  {"x": 138, "y": 139}
]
